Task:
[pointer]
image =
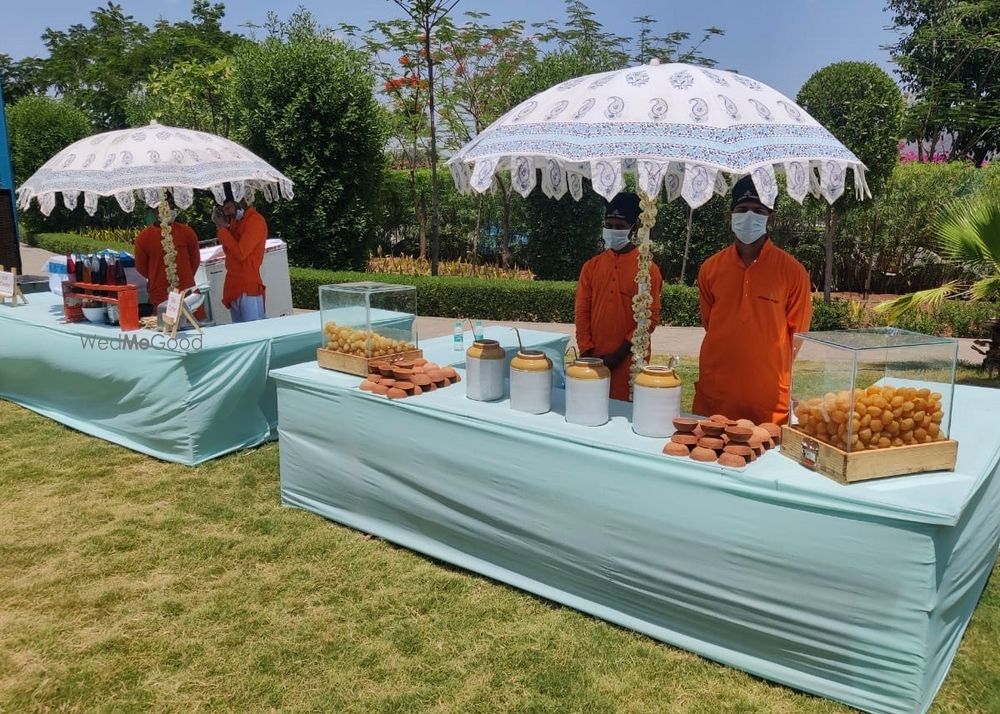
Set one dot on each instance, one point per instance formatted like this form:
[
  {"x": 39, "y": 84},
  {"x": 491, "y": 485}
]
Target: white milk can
[
  {"x": 531, "y": 382},
  {"x": 588, "y": 392},
  {"x": 656, "y": 401},
  {"x": 484, "y": 373}
]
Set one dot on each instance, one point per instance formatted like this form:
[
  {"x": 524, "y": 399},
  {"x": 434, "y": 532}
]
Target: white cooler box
[{"x": 274, "y": 273}]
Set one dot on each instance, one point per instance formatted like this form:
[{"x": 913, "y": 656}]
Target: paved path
[
  {"x": 32, "y": 260},
  {"x": 683, "y": 341}
]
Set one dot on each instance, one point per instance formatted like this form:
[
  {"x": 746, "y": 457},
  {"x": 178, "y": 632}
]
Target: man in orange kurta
[
  {"x": 150, "y": 264},
  {"x": 754, "y": 298},
  {"x": 604, "y": 319},
  {"x": 242, "y": 232}
]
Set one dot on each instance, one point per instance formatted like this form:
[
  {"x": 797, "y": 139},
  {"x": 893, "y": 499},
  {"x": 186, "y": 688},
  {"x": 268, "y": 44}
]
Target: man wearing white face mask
[
  {"x": 754, "y": 298},
  {"x": 604, "y": 319}
]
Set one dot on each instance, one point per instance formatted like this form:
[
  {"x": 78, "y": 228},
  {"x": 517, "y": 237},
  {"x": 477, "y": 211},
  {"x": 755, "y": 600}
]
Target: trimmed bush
[{"x": 552, "y": 300}]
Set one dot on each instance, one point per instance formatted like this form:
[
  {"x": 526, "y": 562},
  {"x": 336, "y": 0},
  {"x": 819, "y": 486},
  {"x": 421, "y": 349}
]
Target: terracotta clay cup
[
  {"x": 711, "y": 442},
  {"x": 385, "y": 369},
  {"x": 720, "y": 418},
  {"x": 774, "y": 430},
  {"x": 739, "y": 434},
  {"x": 711, "y": 428},
  {"x": 688, "y": 440},
  {"x": 701, "y": 454},
  {"x": 674, "y": 449},
  {"x": 685, "y": 425},
  {"x": 743, "y": 450},
  {"x": 762, "y": 434},
  {"x": 732, "y": 461}
]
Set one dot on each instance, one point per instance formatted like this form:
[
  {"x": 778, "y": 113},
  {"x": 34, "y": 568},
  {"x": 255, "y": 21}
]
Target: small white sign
[
  {"x": 6, "y": 284},
  {"x": 173, "y": 307}
]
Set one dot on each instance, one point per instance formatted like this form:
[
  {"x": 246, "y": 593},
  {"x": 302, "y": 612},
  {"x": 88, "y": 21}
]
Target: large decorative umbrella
[
  {"x": 148, "y": 162},
  {"x": 691, "y": 130}
]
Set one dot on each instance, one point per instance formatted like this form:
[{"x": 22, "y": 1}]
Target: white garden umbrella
[
  {"x": 691, "y": 130},
  {"x": 147, "y": 161}
]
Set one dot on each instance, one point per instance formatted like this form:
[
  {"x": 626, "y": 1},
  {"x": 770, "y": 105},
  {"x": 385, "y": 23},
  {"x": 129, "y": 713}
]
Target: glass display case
[
  {"x": 364, "y": 322},
  {"x": 866, "y": 390}
]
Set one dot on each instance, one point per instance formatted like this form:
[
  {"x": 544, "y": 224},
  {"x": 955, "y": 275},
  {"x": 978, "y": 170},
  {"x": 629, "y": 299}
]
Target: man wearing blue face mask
[
  {"x": 754, "y": 298},
  {"x": 603, "y": 316}
]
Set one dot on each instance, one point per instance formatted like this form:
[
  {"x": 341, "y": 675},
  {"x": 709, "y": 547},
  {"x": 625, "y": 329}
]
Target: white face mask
[
  {"x": 615, "y": 239},
  {"x": 749, "y": 226},
  {"x": 239, "y": 214}
]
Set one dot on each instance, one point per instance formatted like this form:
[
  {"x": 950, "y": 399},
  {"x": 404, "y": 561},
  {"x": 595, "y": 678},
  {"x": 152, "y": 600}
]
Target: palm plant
[{"x": 969, "y": 237}]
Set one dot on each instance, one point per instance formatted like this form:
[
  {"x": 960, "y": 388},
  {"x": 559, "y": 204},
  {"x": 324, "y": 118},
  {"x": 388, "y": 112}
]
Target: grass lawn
[{"x": 127, "y": 584}]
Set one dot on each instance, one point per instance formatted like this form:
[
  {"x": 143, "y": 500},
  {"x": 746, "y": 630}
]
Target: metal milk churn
[
  {"x": 531, "y": 382},
  {"x": 484, "y": 371},
  {"x": 656, "y": 401},
  {"x": 588, "y": 392}
]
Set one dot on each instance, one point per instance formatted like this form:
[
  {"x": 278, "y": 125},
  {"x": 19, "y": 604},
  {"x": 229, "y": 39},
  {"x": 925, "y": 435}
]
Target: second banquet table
[{"x": 857, "y": 593}]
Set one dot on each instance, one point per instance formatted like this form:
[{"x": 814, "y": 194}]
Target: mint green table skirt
[
  {"x": 182, "y": 406},
  {"x": 856, "y": 593}
]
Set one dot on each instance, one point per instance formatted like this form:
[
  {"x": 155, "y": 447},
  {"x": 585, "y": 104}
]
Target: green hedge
[{"x": 552, "y": 301}]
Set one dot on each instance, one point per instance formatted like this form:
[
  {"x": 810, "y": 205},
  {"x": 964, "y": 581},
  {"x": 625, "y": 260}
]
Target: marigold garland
[
  {"x": 643, "y": 300},
  {"x": 169, "y": 251}
]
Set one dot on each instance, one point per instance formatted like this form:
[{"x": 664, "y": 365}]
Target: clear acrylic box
[
  {"x": 367, "y": 321},
  {"x": 873, "y": 389}
]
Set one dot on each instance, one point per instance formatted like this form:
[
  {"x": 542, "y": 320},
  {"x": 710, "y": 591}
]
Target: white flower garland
[
  {"x": 643, "y": 300},
  {"x": 169, "y": 251}
]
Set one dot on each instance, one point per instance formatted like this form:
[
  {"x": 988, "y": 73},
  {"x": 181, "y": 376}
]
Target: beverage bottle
[
  {"x": 120, "y": 278},
  {"x": 70, "y": 268},
  {"x": 102, "y": 271},
  {"x": 477, "y": 330},
  {"x": 79, "y": 268},
  {"x": 87, "y": 272},
  {"x": 459, "y": 338}
]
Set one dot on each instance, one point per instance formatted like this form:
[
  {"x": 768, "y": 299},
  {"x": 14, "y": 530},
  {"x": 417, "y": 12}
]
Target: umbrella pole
[
  {"x": 643, "y": 300},
  {"x": 167, "y": 242}
]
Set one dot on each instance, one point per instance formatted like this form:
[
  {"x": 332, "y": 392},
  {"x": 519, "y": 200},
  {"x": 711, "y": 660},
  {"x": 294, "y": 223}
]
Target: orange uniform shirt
[
  {"x": 243, "y": 242},
  {"x": 603, "y": 316},
  {"x": 750, "y": 314},
  {"x": 150, "y": 264}
]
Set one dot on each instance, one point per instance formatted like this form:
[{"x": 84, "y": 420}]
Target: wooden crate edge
[
  {"x": 852, "y": 467},
  {"x": 360, "y": 366}
]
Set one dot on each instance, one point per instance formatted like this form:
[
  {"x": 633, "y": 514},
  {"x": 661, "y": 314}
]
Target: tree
[
  {"x": 39, "y": 128},
  {"x": 860, "y": 105},
  {"x": 949, "y": 58},
  {"x": 394, "y": 47},
  {"x": 304, "y": 102},
  {"x": 668, "y": 47},
  {"x": 189, "y": 94},
  {"x": 98, "y": 67},
  {"x": 20, "y": 78},
  {"x": 427, "y": 15},
  {"x": 482, "y": 61}
]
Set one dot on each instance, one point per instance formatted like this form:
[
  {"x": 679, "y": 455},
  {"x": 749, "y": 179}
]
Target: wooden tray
[
  {"x": 851, "y": 466},
  {"x": 361, "y": 366}
]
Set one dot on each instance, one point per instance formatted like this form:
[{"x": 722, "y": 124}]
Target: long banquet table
[
  {"x": 857, "y": 593},
  {"x": 184, "y": 404}
]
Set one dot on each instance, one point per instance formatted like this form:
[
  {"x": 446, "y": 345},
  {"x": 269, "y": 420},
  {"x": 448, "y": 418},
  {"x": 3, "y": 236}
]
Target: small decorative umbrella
[
  {"x": 150, "y": 161},
  {"x": 689, "y": 129}
]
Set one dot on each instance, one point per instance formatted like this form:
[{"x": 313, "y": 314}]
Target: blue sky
[{"x": 779, "y": 42}]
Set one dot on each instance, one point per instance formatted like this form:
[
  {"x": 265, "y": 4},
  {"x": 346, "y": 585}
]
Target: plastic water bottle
[
  {"x": 477, "y": 330},
  {"x": 459, "y": 337}
]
